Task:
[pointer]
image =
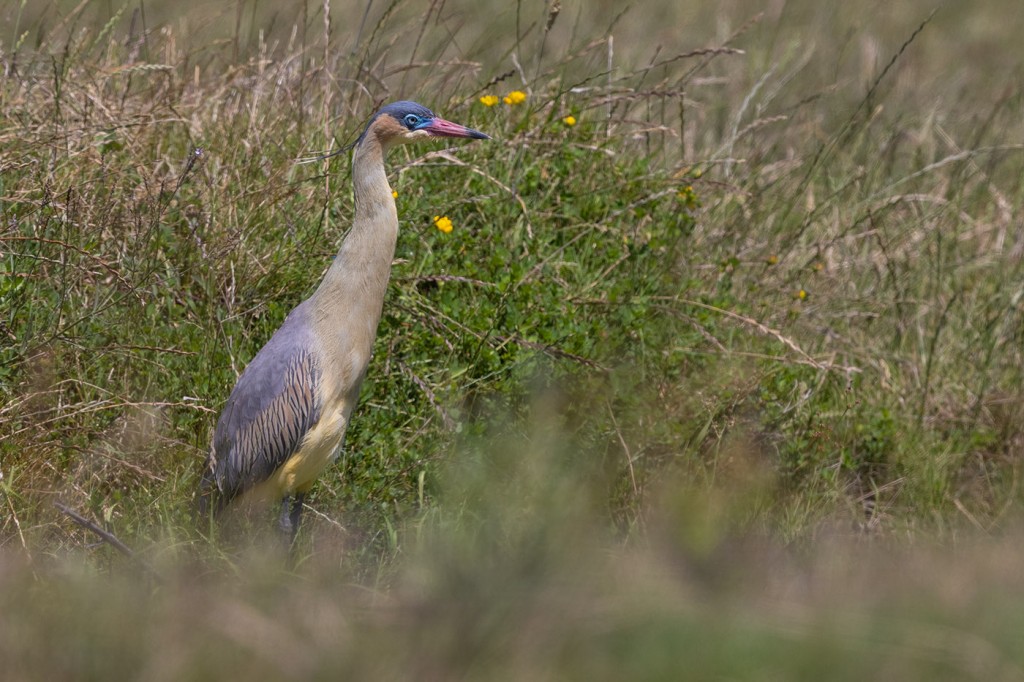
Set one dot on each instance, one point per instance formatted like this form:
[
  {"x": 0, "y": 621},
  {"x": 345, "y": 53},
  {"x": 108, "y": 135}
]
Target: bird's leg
[
  {"x": 291, "y": 516},
  {"x": 296, "y": 513}
]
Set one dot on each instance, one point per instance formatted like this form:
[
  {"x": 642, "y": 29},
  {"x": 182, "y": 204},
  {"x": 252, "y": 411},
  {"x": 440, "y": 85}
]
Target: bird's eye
[{"x": 411, "y": 120}]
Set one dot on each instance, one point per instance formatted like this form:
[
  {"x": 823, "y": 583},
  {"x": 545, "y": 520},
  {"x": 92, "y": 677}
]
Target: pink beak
[{"x": 439, "y": 127}]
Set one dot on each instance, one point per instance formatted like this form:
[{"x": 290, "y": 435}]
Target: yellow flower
[
  {"x": 489, "y": 100},
  {"x": 772, "y": 259},
  {"x": 802, "y": 295},
  {"x": 394, "y": 193},
  {"x": 569, "y": 121},
  {"x": 689, "y": 197},
  {"x": 514, "y": 97},
  {"x": 443, "y": 223}
]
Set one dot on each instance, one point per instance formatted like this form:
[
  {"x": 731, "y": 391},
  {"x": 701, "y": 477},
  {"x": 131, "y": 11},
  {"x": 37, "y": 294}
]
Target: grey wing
[{"x": 270, "y": 410}]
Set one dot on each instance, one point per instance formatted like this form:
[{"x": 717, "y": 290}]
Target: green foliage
[{"x": 152, "y": 252}]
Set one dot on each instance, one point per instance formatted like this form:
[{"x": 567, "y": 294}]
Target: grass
[{"x": 723, "y": 377}]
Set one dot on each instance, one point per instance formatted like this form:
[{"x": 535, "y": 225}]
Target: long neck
[{"x": 353, "y": 288}]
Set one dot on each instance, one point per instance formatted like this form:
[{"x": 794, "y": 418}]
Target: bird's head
[{"x": 405, "y": 122}]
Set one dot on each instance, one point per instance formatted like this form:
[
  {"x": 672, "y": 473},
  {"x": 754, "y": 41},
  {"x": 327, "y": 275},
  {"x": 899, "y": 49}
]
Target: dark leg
[
  {"x": 291, "y": 516},
  {"x": 296, "y": 513}
]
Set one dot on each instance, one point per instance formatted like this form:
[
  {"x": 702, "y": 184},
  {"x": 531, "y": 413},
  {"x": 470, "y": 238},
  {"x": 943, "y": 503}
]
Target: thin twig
[
  {"x": 447, "y": 156},
  {"x": 107, "y": 537},
  {"x": 553, "y": 351},
  {"x": 768, "y": 331},
  {"x": 625, "y": 448},
  {"x": 449, "y": 423},
  {"x": 17, "y": 523}
]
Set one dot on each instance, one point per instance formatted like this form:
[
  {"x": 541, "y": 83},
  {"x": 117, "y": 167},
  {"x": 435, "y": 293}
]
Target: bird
[{"x": 284, "y": 421}]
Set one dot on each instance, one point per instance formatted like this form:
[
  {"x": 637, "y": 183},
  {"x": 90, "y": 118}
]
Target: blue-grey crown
[{"x": 399, "y": 110}]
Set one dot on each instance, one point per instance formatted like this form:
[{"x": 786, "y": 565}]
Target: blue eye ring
[{"x": 411, "y": 120}]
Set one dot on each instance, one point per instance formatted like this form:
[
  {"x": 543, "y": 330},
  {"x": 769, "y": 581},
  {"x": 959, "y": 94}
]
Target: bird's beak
[{"x": 438, "y": 127}]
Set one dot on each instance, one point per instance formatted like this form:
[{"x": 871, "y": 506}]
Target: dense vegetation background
[{"x": 718, "y": 369}]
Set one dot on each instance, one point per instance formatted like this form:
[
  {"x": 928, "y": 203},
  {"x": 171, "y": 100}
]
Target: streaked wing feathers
[{"x": 272, "y": 407}]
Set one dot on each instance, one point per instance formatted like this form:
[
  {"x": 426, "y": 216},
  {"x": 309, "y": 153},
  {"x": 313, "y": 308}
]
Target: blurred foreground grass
[
  {"x": 718, "y": 371},
  {"x": 528, "y": 587}
]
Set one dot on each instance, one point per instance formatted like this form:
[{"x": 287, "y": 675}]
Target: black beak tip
[{"x": 477, "y": 135}]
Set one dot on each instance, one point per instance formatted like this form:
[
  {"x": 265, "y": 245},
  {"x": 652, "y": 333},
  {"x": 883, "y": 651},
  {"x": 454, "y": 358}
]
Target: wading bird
[{"x": 285, "y": 420}]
